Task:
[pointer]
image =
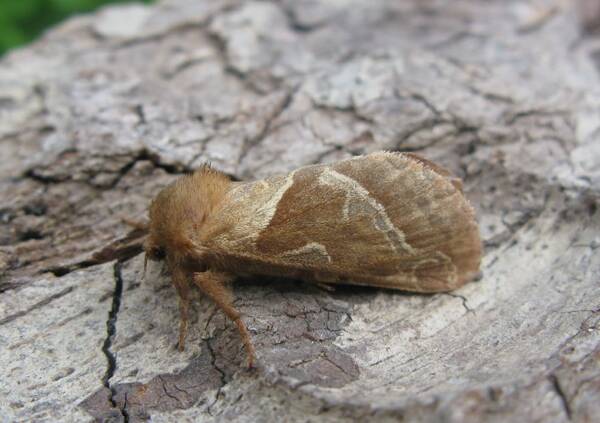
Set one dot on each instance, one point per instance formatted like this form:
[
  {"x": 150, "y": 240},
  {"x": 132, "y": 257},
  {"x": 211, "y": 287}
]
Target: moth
[{"x": 386, "y": 219}]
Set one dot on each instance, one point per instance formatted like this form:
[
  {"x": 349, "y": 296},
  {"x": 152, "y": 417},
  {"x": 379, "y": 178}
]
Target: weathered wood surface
[{"x": 104, "y": 110}]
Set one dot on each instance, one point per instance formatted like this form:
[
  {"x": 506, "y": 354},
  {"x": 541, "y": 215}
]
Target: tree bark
[{"x": 106, "y": 109}]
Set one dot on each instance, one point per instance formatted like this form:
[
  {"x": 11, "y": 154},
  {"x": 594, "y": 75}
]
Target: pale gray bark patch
[{"x": 107, "y": 108}]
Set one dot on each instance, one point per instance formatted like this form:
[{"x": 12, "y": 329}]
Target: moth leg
[
  {"x": 183, "y": 290},
  {"x": 324, "y": 286},
  {"x": 321, "y": 280},
  {"x": 135, "y": 224},
  {"x": 184, "y": 305},
  {"x": 213, "y": 285}
]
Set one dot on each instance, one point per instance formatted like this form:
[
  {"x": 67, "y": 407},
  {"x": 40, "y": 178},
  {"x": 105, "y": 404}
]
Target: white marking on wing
[
  {"x": 251, "y": 208},
  {"x": 311, "y": 250},
  {"x": 265, "y": 213},
  {"x": 360, "y": 202}
]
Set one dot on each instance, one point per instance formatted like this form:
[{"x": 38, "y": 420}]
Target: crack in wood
[
  {"x": 37, "y": 305},
  {"x": 561, "y": 395},
  {"x": 111, "y": 331},
  {"x": 252, "y": 142}
]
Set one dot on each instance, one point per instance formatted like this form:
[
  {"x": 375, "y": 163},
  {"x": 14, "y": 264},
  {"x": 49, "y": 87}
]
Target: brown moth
[{"x": 390, "y": 220}]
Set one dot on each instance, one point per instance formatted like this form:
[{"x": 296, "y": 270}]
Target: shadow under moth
[{"x": 390, "y": 220}]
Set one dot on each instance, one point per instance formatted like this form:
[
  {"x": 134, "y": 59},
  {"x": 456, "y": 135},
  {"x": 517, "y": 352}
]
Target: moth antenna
[
  {"x": 136, "y": 224},
  {"x": 145, "y": 266},
  {"x": 163, "y": 270}
]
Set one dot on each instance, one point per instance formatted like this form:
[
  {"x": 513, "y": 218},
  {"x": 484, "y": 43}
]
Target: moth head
[
  {"x": 178, "y": 215},
  {"x": 154, "y": 251},
  {"x": 171, "y": 213}
]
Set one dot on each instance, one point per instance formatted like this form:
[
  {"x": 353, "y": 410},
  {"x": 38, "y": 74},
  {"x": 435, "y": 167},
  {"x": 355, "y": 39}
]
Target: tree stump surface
[{"x": 107, "y": 108}]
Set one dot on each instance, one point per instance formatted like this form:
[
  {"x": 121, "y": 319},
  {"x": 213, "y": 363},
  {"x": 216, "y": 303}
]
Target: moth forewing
[{"x": 386, "y": 219}]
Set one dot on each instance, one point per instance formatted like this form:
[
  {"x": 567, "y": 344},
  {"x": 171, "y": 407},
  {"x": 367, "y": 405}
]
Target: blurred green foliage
[{"x": 23, "y": 20}]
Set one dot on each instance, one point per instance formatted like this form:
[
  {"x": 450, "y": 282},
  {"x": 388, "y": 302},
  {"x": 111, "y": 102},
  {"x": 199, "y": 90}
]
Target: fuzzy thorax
[{"x": 180, "y": 210}]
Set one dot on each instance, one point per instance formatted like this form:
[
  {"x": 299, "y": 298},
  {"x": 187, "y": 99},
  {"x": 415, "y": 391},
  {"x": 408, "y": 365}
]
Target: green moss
[{"x": 23, "y": 20}]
